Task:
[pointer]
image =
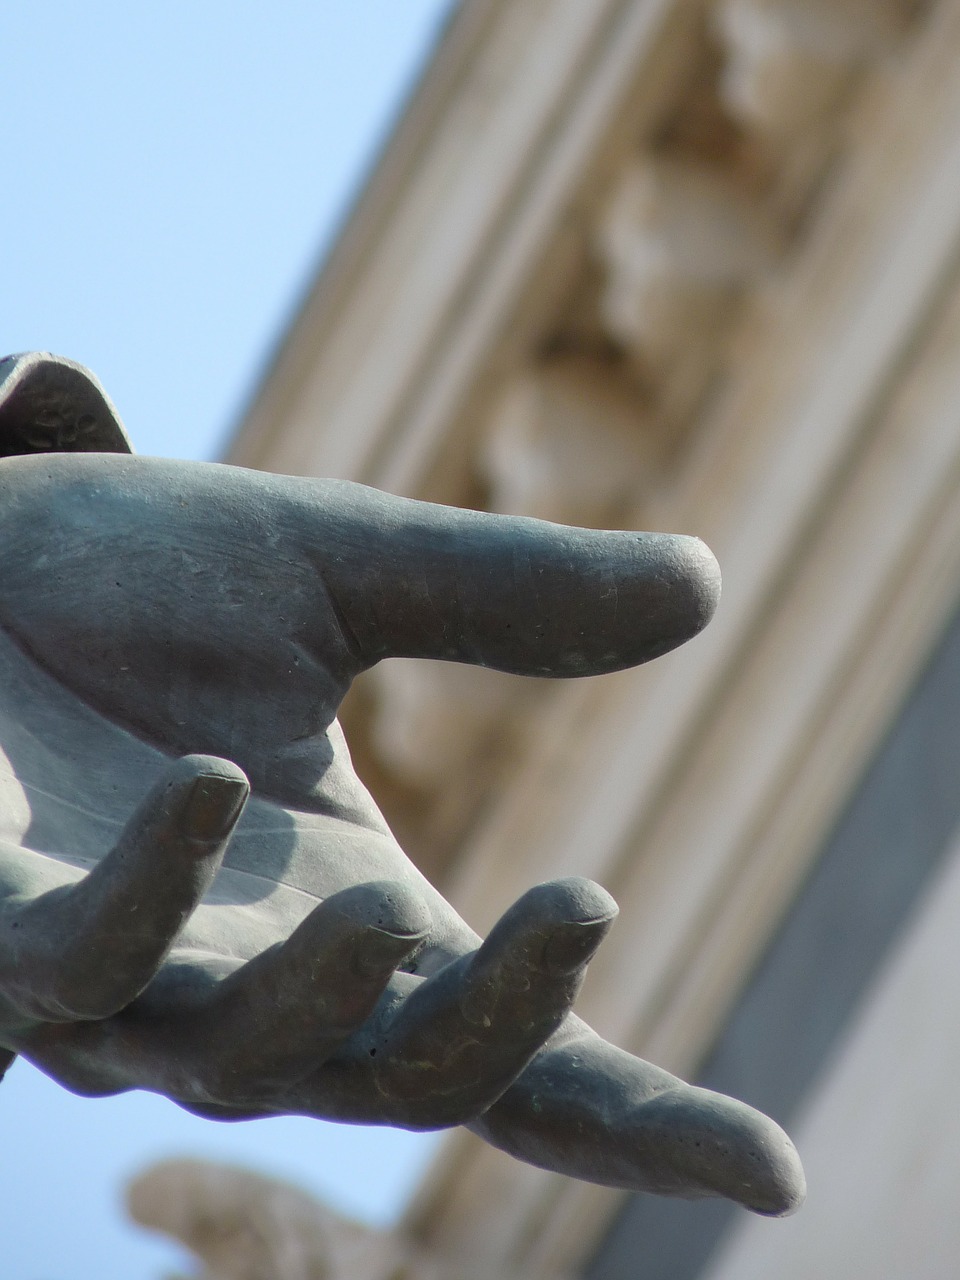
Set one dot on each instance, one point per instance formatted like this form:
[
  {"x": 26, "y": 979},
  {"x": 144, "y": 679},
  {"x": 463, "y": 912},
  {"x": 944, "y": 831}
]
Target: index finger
[{"x": 412, "y": 579}]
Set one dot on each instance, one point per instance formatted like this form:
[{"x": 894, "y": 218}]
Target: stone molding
[
  {"x": 749, "y": 341},
  {"x": 568, "y": 441},
  {"x": 788, "y": 62}
]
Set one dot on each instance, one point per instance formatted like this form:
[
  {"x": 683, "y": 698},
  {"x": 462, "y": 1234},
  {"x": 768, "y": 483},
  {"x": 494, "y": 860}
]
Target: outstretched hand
[{"x": 198, "y": 895}]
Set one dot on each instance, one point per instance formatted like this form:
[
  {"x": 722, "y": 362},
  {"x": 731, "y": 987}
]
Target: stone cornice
[
  {"x": 518, "y": 102},
  {"x": 647, "y": 263}
]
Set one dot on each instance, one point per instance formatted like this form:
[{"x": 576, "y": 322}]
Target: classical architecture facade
[{"x": 686, "y": 265}]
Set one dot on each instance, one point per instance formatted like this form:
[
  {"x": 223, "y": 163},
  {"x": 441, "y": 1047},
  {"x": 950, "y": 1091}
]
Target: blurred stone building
[{"x": 687, "y": 265}]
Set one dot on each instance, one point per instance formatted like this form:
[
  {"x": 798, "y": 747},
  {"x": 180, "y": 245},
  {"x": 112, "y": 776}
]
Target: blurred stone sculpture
[
  {"x": 199, "y": 896},
  {"x": 243, "y": 1226}
]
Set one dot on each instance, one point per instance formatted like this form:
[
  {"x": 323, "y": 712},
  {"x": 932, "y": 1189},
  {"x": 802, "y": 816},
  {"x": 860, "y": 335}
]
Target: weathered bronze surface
[{"x": 199, "y": 896}]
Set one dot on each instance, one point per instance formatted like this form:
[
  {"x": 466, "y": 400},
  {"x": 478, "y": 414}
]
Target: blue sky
[{"x": 173, "y": 174}]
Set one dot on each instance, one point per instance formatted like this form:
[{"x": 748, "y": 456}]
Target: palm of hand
[{"x": 152, "y": 610}]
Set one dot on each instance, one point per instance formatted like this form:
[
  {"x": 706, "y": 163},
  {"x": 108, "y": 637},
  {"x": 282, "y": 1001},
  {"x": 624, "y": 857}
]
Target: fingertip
[
  {"x": 204, "y": 795},
  {"x": 371, "y": 927},
  {"x": 378, "y": 952},
  {"x": 388, "y": 907},
  {"x": 698, "y": 574},
  {"x": 579, "y": 914},
  {"x": 786, "y": 1185},
  {"x": 398, "y": 923},
  {"x": 571, "y": 900},
  {"x": 215, "y": 792},
  {"x": 201, "y": 765},
  {"x": 719, "y": 1146},
  {"x": 676, "y": 592},
  {"x": 554, "y": 927},
  {"x": 571, "y": 946}
]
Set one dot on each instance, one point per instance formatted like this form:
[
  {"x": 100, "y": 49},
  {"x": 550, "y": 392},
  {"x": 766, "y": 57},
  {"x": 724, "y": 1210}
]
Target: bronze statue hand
[{"x": 151, "y": 610}]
